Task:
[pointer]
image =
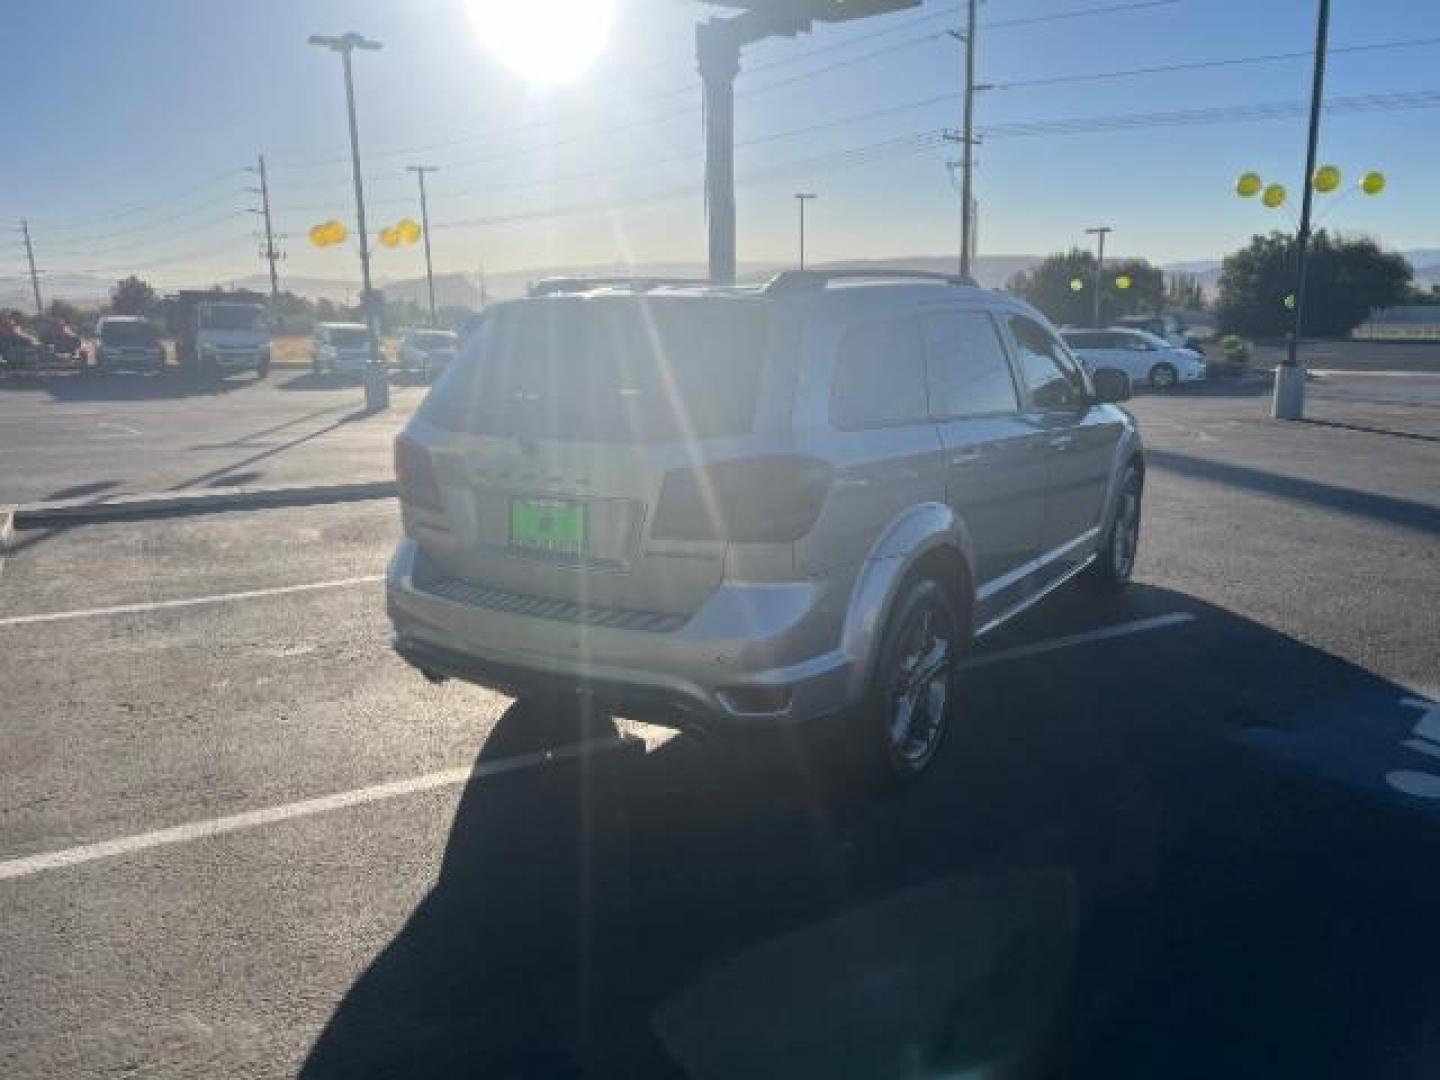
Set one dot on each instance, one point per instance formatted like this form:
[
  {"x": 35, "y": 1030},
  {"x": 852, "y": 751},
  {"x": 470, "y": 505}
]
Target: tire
[
  {"x": 891, "y": 750},
  {"x": 1163, "y": 377},
  {"x": 1114, "y": 563},
  {"x": 262, "y": 369}
]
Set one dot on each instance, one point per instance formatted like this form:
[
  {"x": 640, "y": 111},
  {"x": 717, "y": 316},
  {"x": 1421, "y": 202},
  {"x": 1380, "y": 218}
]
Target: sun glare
[{"x": 547, "y": 41}]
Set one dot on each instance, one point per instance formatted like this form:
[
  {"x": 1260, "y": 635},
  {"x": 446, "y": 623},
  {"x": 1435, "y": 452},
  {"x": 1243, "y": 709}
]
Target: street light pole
[
  {"x": 1288, "y": 402},
  {"x": 377, "y": 390},
  {"x": 420, "y": 171},
  {"x": 1100, "y": 232},
  {"x": 802, "y": 197}
]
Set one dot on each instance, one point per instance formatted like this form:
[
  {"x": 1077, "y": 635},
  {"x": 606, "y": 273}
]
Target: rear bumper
[
  {"x": 129, "y": 363},
  {"x": 781, "y": 640}
]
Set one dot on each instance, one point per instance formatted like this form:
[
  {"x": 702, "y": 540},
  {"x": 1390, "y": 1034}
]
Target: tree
[
  {"x": 134, "y": 296},
  {"x": 82, "y": 320},
  {"x": 1048, "y": 286},
  {"x": 1345, "y": 278}
]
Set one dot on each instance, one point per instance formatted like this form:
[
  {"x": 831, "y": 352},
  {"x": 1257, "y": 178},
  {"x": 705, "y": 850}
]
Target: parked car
[
  {"x": 1167, "y": 327},
  {"x": 18, "y": 347},
  {"x": 127, "y": 343},
  {"x": 1145, "y": 358},
  {"x": 427, "y": 351},
  {"x": 732, "y": 509},
  {"x": 340, "y": 348},
  {"x": 59, "y": 339}
]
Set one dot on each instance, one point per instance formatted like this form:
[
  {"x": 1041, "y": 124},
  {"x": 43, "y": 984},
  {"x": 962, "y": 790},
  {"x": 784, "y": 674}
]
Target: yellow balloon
[
  {"x": 1076, "y": 284},
  {"x": 335, "y": 231},
  {"x": 409, "y": 230},
  {"x": 389, "y": 238},
  {"x": 320, "y": 235},
  {"x": 1248, "y": 185},
  {"x": 1123, "y": 281},
  {"x": 1274, "y": 195},
  {"x": 1327, "y": 179},
  {"x": 1373, "y": 183}
]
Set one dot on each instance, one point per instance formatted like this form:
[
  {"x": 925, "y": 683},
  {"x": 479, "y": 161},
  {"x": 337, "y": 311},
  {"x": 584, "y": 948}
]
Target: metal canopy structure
[{"x": 718, "y": 44}]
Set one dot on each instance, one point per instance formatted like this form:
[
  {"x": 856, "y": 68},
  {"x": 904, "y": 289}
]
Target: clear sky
[{"x": 127, "y": 125}]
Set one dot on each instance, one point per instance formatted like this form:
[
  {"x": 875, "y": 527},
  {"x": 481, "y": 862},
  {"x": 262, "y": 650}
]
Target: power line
[
  {"x": 87, "y": 247},
  {"x": 743, "y": 92},
  {"x": 1199, "y": 65},
  {"x": 81, "y": 221},
  {"x": 1220, "y": 114}
]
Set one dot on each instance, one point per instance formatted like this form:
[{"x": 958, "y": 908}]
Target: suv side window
[
  {"x": 966, "y": 369},
  {"x": 1049, "y": 374},
  {"x": 879, "y": 376}
]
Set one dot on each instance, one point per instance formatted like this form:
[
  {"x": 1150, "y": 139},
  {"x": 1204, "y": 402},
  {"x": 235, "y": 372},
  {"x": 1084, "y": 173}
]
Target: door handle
[
  {"x": 1062, "y": 442},
  {"x": 965, "y": 457}
]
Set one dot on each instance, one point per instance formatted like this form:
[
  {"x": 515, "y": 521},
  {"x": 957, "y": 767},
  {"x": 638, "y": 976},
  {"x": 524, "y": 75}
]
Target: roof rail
[
  {"x": 553, "y": 286},
  {"x": 797, "y": 280}
]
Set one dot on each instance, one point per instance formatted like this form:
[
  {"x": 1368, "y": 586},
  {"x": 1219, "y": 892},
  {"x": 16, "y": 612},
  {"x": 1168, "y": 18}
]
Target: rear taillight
[
  {"x": 754, "y": 500},
  {"x": 415, "y": 474}
]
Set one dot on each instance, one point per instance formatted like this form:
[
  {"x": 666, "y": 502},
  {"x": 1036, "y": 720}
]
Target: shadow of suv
[{"x": 730, "y": 508}]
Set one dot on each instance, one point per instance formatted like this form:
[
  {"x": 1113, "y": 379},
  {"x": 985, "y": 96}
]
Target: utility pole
[
  {"x": 1100, "y": 232},
  {"x": 1289, "y": 400},
  {"x": 968, "y": 140},
  {"x": 34, "y": 274},
  {"x": 270, "y": 253},
  {"x": 967, "y": 166},
  {"x": 420, "y": 171},
  {"x": 802, "y": 197},
  {"x": 377, "y": 390}
]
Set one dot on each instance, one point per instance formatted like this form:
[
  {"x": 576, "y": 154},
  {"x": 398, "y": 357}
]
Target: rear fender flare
[{"x": 904, "y": 543}]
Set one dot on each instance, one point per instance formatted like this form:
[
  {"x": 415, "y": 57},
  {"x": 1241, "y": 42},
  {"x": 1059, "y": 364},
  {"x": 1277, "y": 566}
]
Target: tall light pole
[
  {"x": 377, "y": 390},
  {"x": 420, "y": 171},
  {"x": 802, "y": 197},
  {"x": 1100, "y": 231},
  {"x": 1289, "y": 400}
]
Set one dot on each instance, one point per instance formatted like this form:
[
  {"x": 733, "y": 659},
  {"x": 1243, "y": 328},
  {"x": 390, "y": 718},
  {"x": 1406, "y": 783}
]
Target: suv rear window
[
  {"x": 345, "y": 337},
  {"x": 128, "y": 333},
  {"x": 622, "y": 369}
]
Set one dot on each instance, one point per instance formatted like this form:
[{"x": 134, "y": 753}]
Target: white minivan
[
  {"x": 340, "y": 348},
  {"x": 1148, "y": 360}
]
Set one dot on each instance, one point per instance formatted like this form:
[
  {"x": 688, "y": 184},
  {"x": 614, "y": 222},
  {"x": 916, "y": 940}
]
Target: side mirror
[{"x": 1111, "y": 385}]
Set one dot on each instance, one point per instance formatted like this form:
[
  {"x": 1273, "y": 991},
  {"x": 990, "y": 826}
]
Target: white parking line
[
  {"x": 28, "y": 865},
  {"x": 198, "y": 830},
  {"x": 1104, "y": 633},
  {"x": 192, "y": 601}
]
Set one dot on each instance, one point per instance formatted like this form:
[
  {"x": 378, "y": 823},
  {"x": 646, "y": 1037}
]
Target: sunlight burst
[{"x": 548, "y": 41}]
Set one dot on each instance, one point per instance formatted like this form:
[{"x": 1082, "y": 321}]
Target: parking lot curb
[{"x": 168, "y": 504}]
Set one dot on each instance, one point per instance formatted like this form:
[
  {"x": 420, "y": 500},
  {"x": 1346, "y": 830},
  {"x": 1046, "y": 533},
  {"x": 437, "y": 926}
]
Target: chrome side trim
[
  {"x": 1005, "y": 580},
  {"x": 1031, "y": 601}
]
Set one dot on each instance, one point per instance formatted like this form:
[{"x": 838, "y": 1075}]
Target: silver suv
[{"x": 730, "y": 508}]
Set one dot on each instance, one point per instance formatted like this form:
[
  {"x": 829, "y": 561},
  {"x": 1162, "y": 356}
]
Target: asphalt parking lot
[
  {"x": 1190, "y": 832},
  {"x": 81, "y": 435}
]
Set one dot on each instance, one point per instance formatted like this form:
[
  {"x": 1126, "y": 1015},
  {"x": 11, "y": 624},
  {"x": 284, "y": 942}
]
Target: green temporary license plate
[{"x": 554, "y": 526}]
